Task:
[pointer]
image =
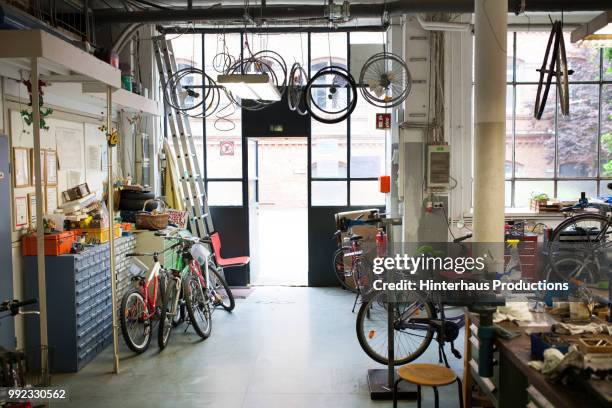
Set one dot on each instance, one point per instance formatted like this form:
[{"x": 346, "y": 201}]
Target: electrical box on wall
[{"x": 438, "y": 166}]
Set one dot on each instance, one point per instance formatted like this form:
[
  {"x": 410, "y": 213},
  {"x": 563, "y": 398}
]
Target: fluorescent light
[
  {"x": 250, "y": 86},
  {"x": 596, "y": 33}
]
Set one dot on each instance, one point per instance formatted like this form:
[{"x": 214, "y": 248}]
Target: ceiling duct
[{"x": 357, "y": 10}]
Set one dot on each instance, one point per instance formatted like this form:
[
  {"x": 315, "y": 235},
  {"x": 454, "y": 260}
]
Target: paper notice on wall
[
  {"x": 73, "y": 178},
  {"x": 94, "y": 158},
  {"x": 69, "y": 148}
]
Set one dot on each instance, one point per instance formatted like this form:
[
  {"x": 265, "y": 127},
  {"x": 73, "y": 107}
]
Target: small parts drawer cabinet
[{"x": 79, "y": 309}]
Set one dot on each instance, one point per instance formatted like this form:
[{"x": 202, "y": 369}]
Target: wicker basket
[{"x": 149, "y": 221}]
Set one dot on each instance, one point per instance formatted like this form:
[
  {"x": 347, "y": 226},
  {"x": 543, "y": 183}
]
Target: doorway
[{"x": 278, "y": 210}]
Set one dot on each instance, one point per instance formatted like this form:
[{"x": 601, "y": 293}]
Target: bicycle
[
  {"x": 18, "y": 370},
  {"x": 139, "y": 309},
  {"x": 185, "y": 279},
  {"x": 577, "y": 247},
  {"x": 356, "y": 278},
  {"x": 416, "y": 319}
]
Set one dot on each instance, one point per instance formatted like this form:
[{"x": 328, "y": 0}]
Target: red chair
[{"x": 225, "y": 262}]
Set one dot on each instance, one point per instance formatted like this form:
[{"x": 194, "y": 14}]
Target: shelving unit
[{"x": 47, "y": 57}]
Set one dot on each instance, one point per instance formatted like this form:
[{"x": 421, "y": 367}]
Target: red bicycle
[{"x": 139, "y": 308}]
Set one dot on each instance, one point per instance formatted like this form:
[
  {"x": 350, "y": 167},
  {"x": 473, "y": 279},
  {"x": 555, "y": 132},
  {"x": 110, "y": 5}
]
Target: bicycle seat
[{"x": 356, "y": 237}]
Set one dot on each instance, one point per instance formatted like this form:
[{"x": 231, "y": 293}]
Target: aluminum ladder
[{"x": 181, "y": 144}]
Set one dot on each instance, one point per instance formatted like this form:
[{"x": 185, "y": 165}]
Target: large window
[
  {"x": 557, "y": 155},
  {"x": 346, "y": 158}
]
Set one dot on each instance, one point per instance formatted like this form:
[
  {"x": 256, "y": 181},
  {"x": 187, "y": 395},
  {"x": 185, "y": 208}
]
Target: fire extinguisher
[{"x": 381, "y": 243}]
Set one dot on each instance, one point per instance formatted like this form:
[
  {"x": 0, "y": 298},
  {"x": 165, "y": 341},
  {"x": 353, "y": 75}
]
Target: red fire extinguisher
[{"x": 381, "y": 243}]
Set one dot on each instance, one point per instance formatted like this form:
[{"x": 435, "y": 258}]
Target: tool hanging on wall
[
  {"x": 44, "y": 112},
  {"x": 181, "y": 145}
]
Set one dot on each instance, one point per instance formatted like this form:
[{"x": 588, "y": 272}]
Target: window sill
[{"x": 524, "y": 212}]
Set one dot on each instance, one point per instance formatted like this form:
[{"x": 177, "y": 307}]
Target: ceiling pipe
[{"x": 358, "y": 10}]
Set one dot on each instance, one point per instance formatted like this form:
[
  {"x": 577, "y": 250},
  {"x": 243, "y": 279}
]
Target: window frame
[{"x": 512, "y": 84}]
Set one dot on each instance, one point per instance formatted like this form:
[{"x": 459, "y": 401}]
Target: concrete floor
[{"x": 281, "y": 347}]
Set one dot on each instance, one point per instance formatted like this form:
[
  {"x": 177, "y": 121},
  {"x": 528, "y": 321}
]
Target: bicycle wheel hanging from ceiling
[
  {"x": 385, "y": 80},
  {"x": 198, "y": 94},
  {"x": 296, "y": 85},
  {"x": 331, "y": 95},
  {"x": 555, "y": 66},
  {"x": 263, "y": 62}
]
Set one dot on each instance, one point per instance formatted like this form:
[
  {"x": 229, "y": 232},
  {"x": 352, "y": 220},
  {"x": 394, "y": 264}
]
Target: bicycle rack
[
  {"x": 380, "y": 381},
  {"x": 181, "y": 144}
]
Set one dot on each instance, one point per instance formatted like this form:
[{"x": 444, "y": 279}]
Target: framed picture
[
  {"x": 51, "y": 167},
  {"x": 20, "y": 208},
  {"x": 50, "y": 199},
  {"x": 32, "y": 209},
  {"x": 21, "y": 167},
  {"x": 33, "y": 169}
]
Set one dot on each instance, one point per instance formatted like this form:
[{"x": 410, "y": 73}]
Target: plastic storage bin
[{"x": 55, "y": 244}]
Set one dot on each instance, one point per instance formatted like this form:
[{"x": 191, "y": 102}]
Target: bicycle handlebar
[
  {"x": 14, "y": 305},
  {"x": 141, "y": 254}
]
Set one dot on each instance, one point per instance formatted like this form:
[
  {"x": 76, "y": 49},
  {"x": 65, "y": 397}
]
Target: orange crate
[
  {"x": 55, "y": 244},
  {"x": 100, "y": 235}
]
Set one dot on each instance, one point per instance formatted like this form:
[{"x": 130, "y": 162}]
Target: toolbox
[{"x": 55, "y": 244}]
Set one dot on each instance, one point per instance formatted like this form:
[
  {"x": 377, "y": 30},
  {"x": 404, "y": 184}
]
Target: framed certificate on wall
[
  {"x": 50, "y": 199},
  {"x": 33, "y": 168},
  {"x": 21, "y": 167},
  {"x": 20, "y": 209},
  {"x": 50, "y": 167}
]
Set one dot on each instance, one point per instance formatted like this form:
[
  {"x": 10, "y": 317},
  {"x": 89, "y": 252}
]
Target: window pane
[
  {"x": 606, "y": 130},
  {"x": 291, "y": 47},
  {"x": 224, "y": 127},
  {"x": 584, "y": 61},
  {"x": 328, "y": 150},
  {"x": 509, "y": 109},
  {"x": 530, "y": 49},
  {"x": 577, "y": 134},
  {"x": 224, "y": 155},
  {"x": 324, "y": 44},
  {"x": 604, "y": 191},
  {"x": 224, "y": 193},
  {"x": 524, "y": 190},
  {"x": 328, "y": 193},
  {"x": 607, "y": 63},
  {"x": 570, "y": 190},
  {"x": 366, "y": 193},
  {"x": 534, "y": 139},
  {"x": 508, "y": 194},
  {"x": 367, "y": 143},
  {"x": 510, "y": 57}
]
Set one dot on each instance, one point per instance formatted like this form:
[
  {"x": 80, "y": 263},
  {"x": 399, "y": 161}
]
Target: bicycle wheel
[
  {"x": 135, "y": 328},
  {"x": 167, "y": 312},
  {"x": 411, "y": 339},
  {"x": 577, "y": 246},
  {"x": 221, "y": 292},
  {"x": 198, "y": 307},
  {"x": 347, "y": 282}
]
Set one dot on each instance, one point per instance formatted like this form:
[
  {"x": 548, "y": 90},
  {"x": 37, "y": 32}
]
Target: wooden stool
[{"x": 428, "y": 375}]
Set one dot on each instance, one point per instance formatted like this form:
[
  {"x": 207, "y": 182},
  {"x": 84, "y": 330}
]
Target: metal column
[
  {"x": 40, "y": 229},
  {"x": 111, "y": 225}
]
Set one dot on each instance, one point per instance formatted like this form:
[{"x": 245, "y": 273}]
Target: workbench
[{"x": 514, "y": 383}]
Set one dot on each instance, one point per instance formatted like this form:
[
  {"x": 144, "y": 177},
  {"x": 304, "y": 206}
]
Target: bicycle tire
[
  {"x": 347, "y": 111},
  {"x": 562, "y": 76},
  {"x": 165, "y": 318},
  {"x": 541, "y": 97},
  {"x": 133, "y": 345},
  {"x": 595, "y": 218},
  {"x": 365, "y": 312},
  {"x": 231, "y": 303},
  {"x": 338, "y": 267},
  {"x": 191, "y": 286}
]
